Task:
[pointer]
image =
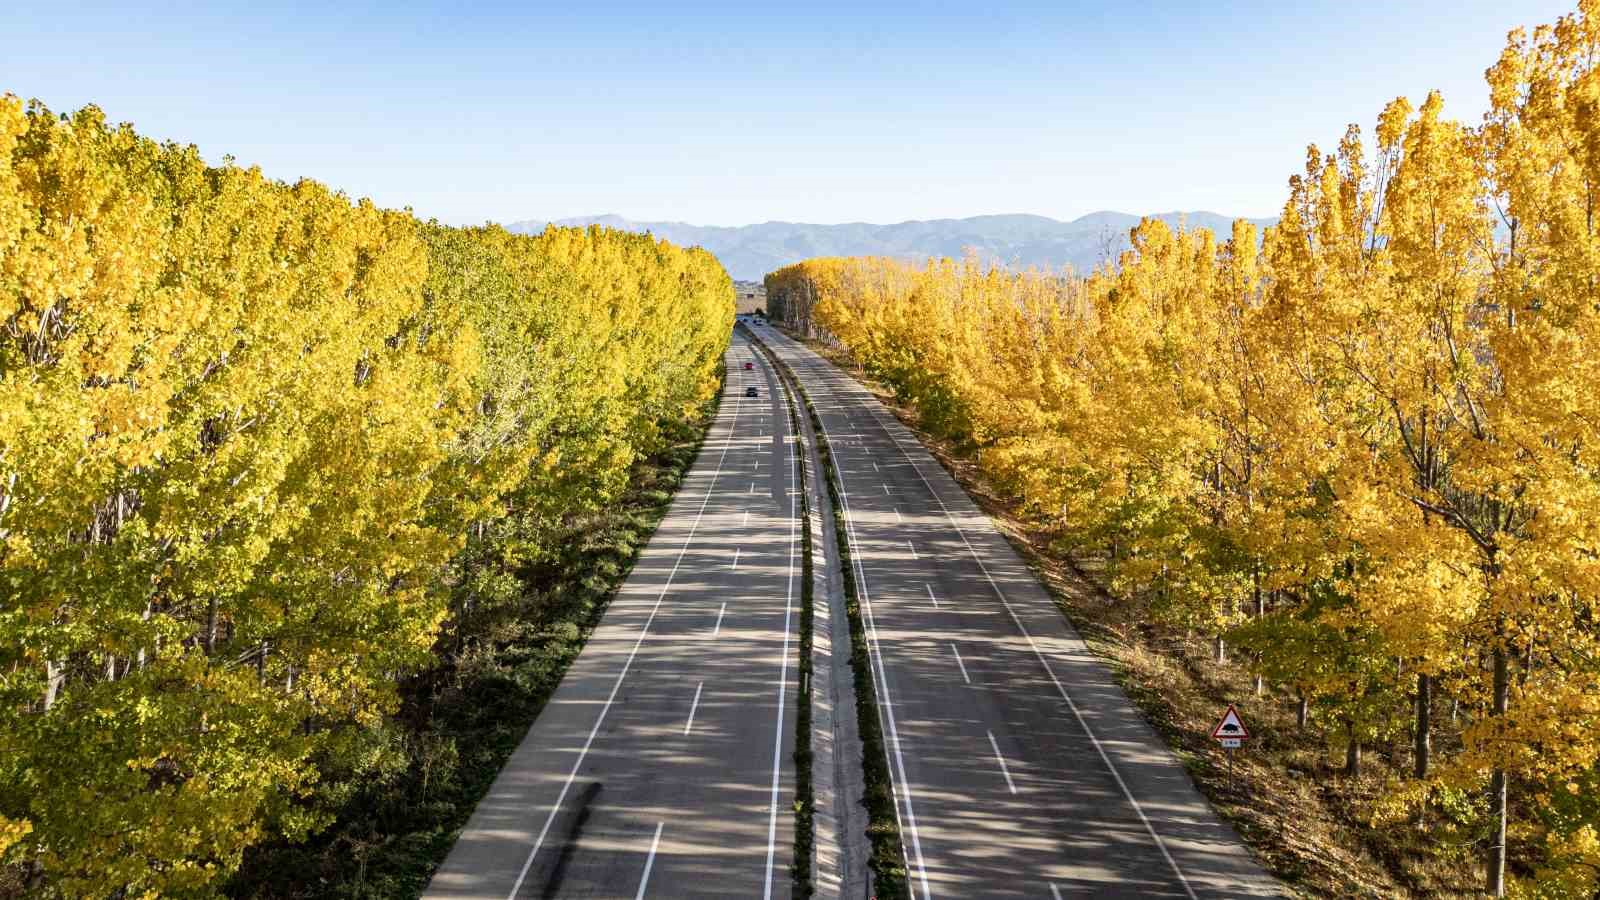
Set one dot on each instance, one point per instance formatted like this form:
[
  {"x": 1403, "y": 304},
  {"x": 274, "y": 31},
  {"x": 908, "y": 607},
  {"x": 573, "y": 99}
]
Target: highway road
[
  {"x": 662, "y": 765},
  {"x": 1020, "y": 767}
]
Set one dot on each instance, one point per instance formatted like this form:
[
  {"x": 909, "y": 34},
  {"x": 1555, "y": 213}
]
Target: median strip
[
  {"x": 883, "y": 829},
  {"x": 805, "y": 802}
]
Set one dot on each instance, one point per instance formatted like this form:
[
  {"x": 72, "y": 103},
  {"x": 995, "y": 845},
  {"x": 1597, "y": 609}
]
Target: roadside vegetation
[{"x": 1355, "y": 457}]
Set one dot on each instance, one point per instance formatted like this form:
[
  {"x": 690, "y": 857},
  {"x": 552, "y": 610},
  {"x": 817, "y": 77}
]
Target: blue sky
[{"x": 744, "y": 112}]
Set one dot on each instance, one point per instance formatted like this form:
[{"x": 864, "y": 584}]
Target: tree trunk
[
  {"x": 139, "y": 659},
  {"x": 1497, "y": 786},
  {"x": 211, "y": 627},
  {"x": 53, "y": 677},
  {"x": 1221, "y": 650},
  {"x": 1261, "y": 612},
  {"x": 1352, "y": 754},
  {"x": 1302, "y": 713},
  {"x": 1424, "y": 737}
]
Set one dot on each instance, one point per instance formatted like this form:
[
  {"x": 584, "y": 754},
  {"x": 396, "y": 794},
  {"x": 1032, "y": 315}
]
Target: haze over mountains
[{"x": 750, "y": 251}]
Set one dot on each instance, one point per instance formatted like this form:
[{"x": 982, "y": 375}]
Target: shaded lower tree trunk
[
  {"x": 1352, "y": 753},
  {"x": 1423, "y": 748},
  {"x": 1302, "y": 712},
  {"x": 1261, "y": 613},
  {"x": 1221, "y": 648},
  {"x": 54, "y": 676},
  {"x": 1496, "y": 862},
  {"x": 139, "y": 658},
  {"x": 211, "y": 626}
]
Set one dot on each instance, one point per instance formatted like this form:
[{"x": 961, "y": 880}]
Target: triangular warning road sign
[{"x": 1231, "y": 726}]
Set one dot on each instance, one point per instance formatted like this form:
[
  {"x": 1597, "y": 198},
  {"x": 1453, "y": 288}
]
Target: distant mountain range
[{"x": 750, "y": 251}]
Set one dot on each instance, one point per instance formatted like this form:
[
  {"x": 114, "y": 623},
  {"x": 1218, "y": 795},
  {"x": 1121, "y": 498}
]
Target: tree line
[
  {"x": 1360, "y": 450},
  {"x": 245, "y": 427}
]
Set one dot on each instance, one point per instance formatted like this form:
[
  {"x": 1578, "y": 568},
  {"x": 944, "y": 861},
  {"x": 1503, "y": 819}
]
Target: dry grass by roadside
[{"x": 1306, "y": 822}]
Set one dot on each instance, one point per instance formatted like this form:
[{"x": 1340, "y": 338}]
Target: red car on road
[{"x": 749, "y": 365}]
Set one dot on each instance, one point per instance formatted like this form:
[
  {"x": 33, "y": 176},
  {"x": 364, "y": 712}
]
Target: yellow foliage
[
  {"x": 244, "y": 426},
  {"x": 1364, "y": 445}
]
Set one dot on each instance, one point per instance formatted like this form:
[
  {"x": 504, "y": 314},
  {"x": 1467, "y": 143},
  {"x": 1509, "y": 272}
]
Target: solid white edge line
[
  {"x": 1000, "y": 759},
  {"x": 783, "y": 682},
  {"x": 693, "y": 706},
  {"x": 734, "y": 567},
  {"x": 1076, "y": 713},
  {"x": 649, "y": 861},
  {"x": 1055, "y": 892},
  {"x": 912, "y": 547},
  {"x": 561, "y": 797},
  {"x": 720, "y": 613},
  {"x": 903, "y": 785},
  {"x": 930, "y": 594}
]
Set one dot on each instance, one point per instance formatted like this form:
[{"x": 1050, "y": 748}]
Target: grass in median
[
  {"x": 883, "y": 827},
  {"x": 426, "y": 767},
  {"x": 805, "y": 798}
]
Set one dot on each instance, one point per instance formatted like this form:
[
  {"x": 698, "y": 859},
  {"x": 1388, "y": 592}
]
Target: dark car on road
[{"x": 751, "y": 392}]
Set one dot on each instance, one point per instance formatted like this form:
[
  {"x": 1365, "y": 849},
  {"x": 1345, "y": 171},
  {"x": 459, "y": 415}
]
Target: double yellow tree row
[
  {"x": 243, "y": 427},
  {"x": 1364, "y": 446}
]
